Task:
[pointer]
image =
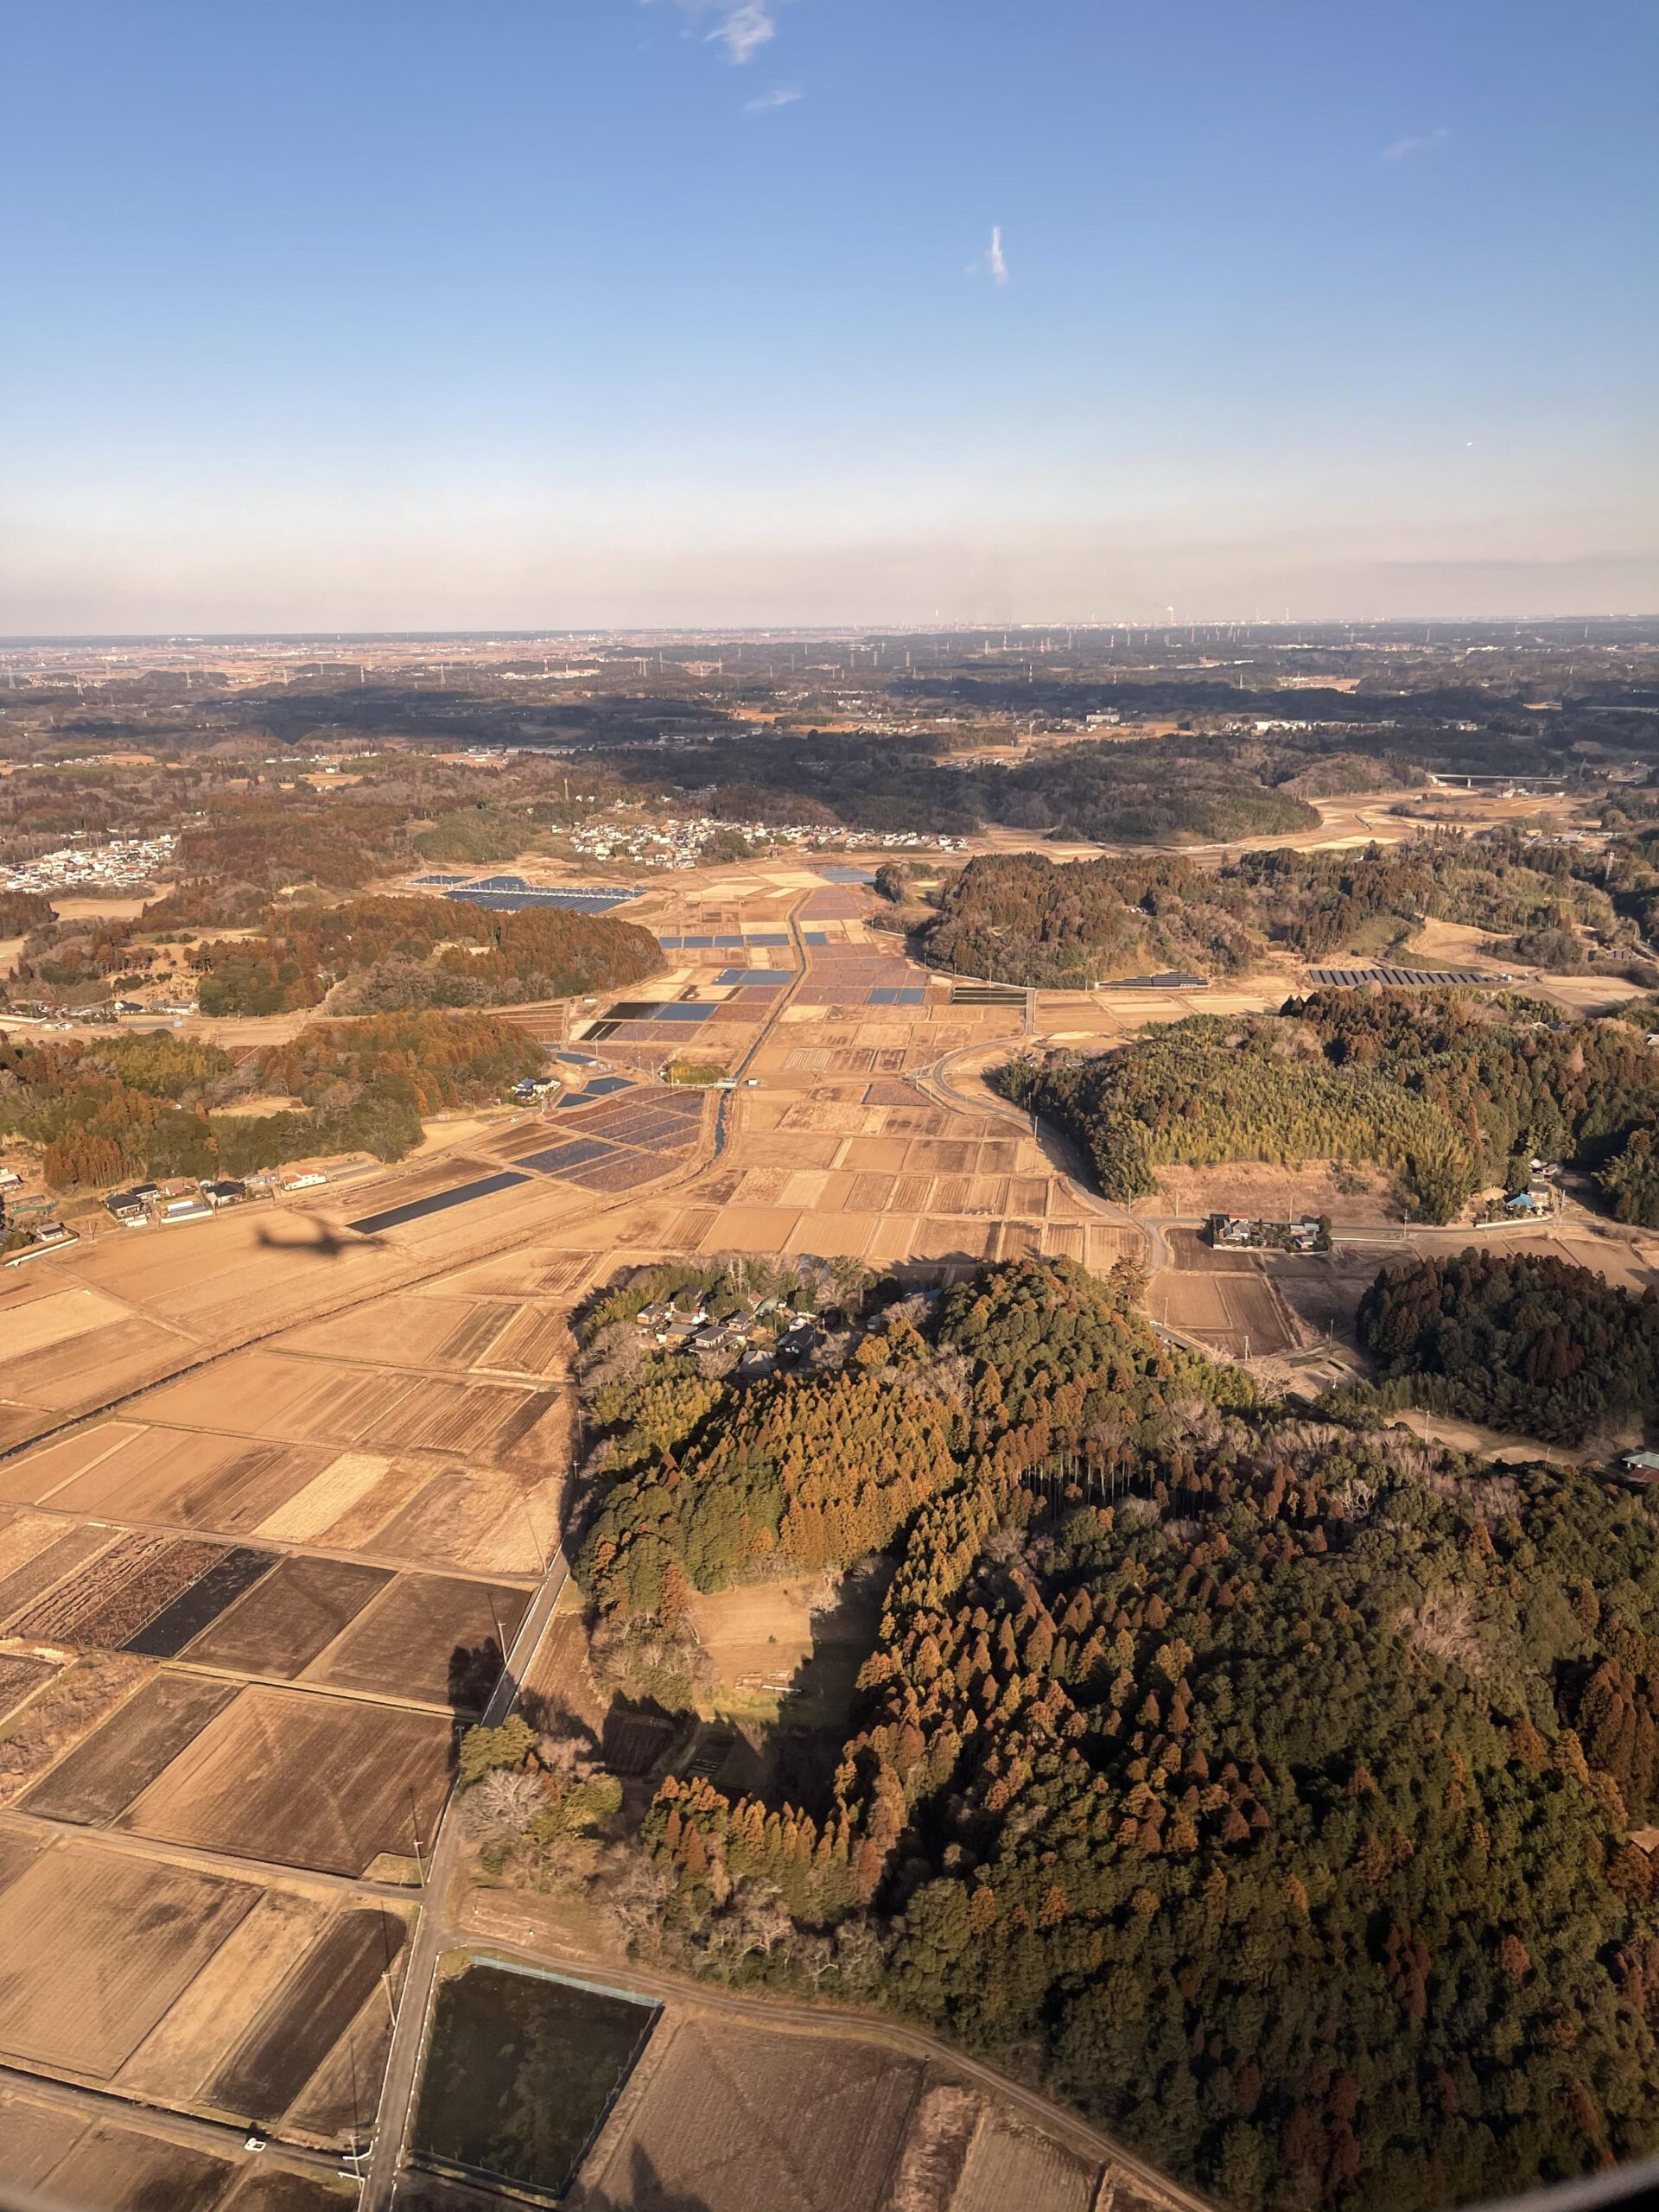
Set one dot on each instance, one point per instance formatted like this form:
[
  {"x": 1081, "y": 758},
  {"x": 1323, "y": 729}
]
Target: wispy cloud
[
  {"x": 745, "y": 29},
  {"x": 996, "y": 263},
  {"x": 1402, "y": 149},
  {"x": 780, "y": 96}
]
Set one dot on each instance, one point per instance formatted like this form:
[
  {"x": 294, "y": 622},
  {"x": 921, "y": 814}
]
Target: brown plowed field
[
  {"x": 103, "y": 1774},
  {"x": 96, "y": 1944},
  {"x": 92, "y": 1366},
  {"x": 405, "y": 1644},
  {"x": 63, "y": 1713},
  {"x": 269, "y": 1395},
  {"x": 113, "y": 2168},
  {"x": 23, "y": 1536},
  {"x": 195, "y": 1480},
  {"x": 20, "y": 1677},
  {"x": 19, "y": 1848},
  {"x": 73, "y": 1549},
  {"x": 753, "y": 2121},
  {"x": 196, "y": 2036},
  {"x": 324, "y": 1782},
  {"x": 297, "y": 1611},
  {"x": 1009, "y": 2166},
  {"x": 314, "y": 2008}
]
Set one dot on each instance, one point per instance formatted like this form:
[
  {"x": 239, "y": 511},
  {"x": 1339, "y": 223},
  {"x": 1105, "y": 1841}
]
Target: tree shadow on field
[
  {"x": 474, "y": 1670},
  {"x": 646, "y": 2192}
]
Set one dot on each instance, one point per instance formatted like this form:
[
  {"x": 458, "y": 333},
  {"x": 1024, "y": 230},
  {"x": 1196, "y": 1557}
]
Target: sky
[{"x": 367, "y": 315}]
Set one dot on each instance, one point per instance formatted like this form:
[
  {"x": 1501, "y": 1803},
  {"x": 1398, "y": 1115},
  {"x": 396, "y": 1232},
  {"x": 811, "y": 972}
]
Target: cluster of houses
[
  {"x": 181, "y": 1198},
  {"x": 188, "y": 1198},
  {"x": 92, "y": 868},
  {"x": 764, "y": 1333},
  {"x": 679, "y": 843},
  {"x": 1237, "y": 1232}
]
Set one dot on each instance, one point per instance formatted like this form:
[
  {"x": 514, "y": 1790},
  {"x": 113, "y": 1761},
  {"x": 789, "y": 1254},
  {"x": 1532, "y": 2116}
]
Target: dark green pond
[{"x": 521, "y": 2071}]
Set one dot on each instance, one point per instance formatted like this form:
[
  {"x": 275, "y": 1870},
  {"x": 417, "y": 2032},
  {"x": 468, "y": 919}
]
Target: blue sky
[{"x": 415, "y": 313}]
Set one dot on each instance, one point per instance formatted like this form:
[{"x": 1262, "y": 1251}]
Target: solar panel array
[
  {"x": 417, "y": 1209},
  {"x": 765, "y": 940},
  {"x": 1398, "y": 977}
]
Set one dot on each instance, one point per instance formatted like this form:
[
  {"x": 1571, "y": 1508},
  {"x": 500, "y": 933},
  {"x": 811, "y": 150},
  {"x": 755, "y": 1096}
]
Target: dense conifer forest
[
  {"x": 1262, "y": 1785},
  {"x": 1452, "y": 1092},
  {"x": 1515, "y": 1341}
]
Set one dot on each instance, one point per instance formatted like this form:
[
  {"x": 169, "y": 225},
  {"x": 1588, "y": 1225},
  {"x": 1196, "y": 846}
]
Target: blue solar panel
[
  {"x": 768, "y": 978},
  {"x": 848, "y": 874},
  {"x": 734, "y": 942},
  {"x": 698, "y": 944},
  {"x": 912, "y": 994},
  {"x": 510, "y": 894},
  {"x": 682, "y": 1014},
  {"x": 558, "y": 1159},
  {"x": 817, "y": 936}
]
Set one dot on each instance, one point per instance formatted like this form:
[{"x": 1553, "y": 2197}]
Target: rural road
[{"x": 435, "y": 1932}]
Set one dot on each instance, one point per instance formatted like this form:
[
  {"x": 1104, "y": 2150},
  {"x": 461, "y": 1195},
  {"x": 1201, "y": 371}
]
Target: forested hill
[
  {"x": 1448, "y": 1088},
  {"x": 383, "y": 955},
  {"x": 1515, "y": 1341},
  {"x": 109, "y": 1109},
  {"x": 1020, "y": 917},
  {"x": 1263, "y": 1787}
]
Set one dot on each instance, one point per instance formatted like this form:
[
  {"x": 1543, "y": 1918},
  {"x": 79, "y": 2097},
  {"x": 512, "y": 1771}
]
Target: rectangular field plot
[
  {"x": 69, "y": 1551},
  {"x": 166, "y": 1635},
  {"x": 297, "y": 1611},
  {"x": 324, "y": 1782},
  {"x": 311, "y": 2012},
  {"x": 428, "y": 1637},
  {"x": 103, "y": 1774},
  {"x": 272, "y": 1394},
  {"x": 95, "y": 1944},
  {"x": 485, "y": 1420},
  {"x": 440, "y": 1202},
  {"x": 226, "y": 1484},
  {"x": 1009, "y": 2166},
  {"x": 410, "y": 1329},
  {"x": 198, "y": 2033},
  {"x": 111, "y": 1598},
  {"x": 112, "y": 2167},
  {"x": 793, "y": 2121},
  {"x": 520, "y": 2072}
]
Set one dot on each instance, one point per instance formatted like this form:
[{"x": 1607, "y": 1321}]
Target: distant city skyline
[{"x": 630, "y": 314}]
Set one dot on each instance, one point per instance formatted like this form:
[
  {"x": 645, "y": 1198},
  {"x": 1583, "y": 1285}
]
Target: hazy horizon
[{"x": 678, "y": 314}]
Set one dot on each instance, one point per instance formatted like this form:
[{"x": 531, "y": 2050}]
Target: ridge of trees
[
  {"x": 1445, "y": 1088},
  {"x": 114, "y": 1108},
  {"x": 1023, "y": 917}
]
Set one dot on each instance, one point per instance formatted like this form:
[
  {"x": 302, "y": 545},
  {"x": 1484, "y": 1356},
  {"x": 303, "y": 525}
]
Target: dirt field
[
  {"x": 96, "y": 1945},
  {"x": 752, "y": 2121},
  {"x": 1239, "y": 1313},
  {"x": 312, "y": 1782},
  {"x": 279, "y": 1627},
  {"x": 1268, "y": 1194},
  {"x": 429, "y": 1637},
  {"x": 103, "y": 1774}
]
